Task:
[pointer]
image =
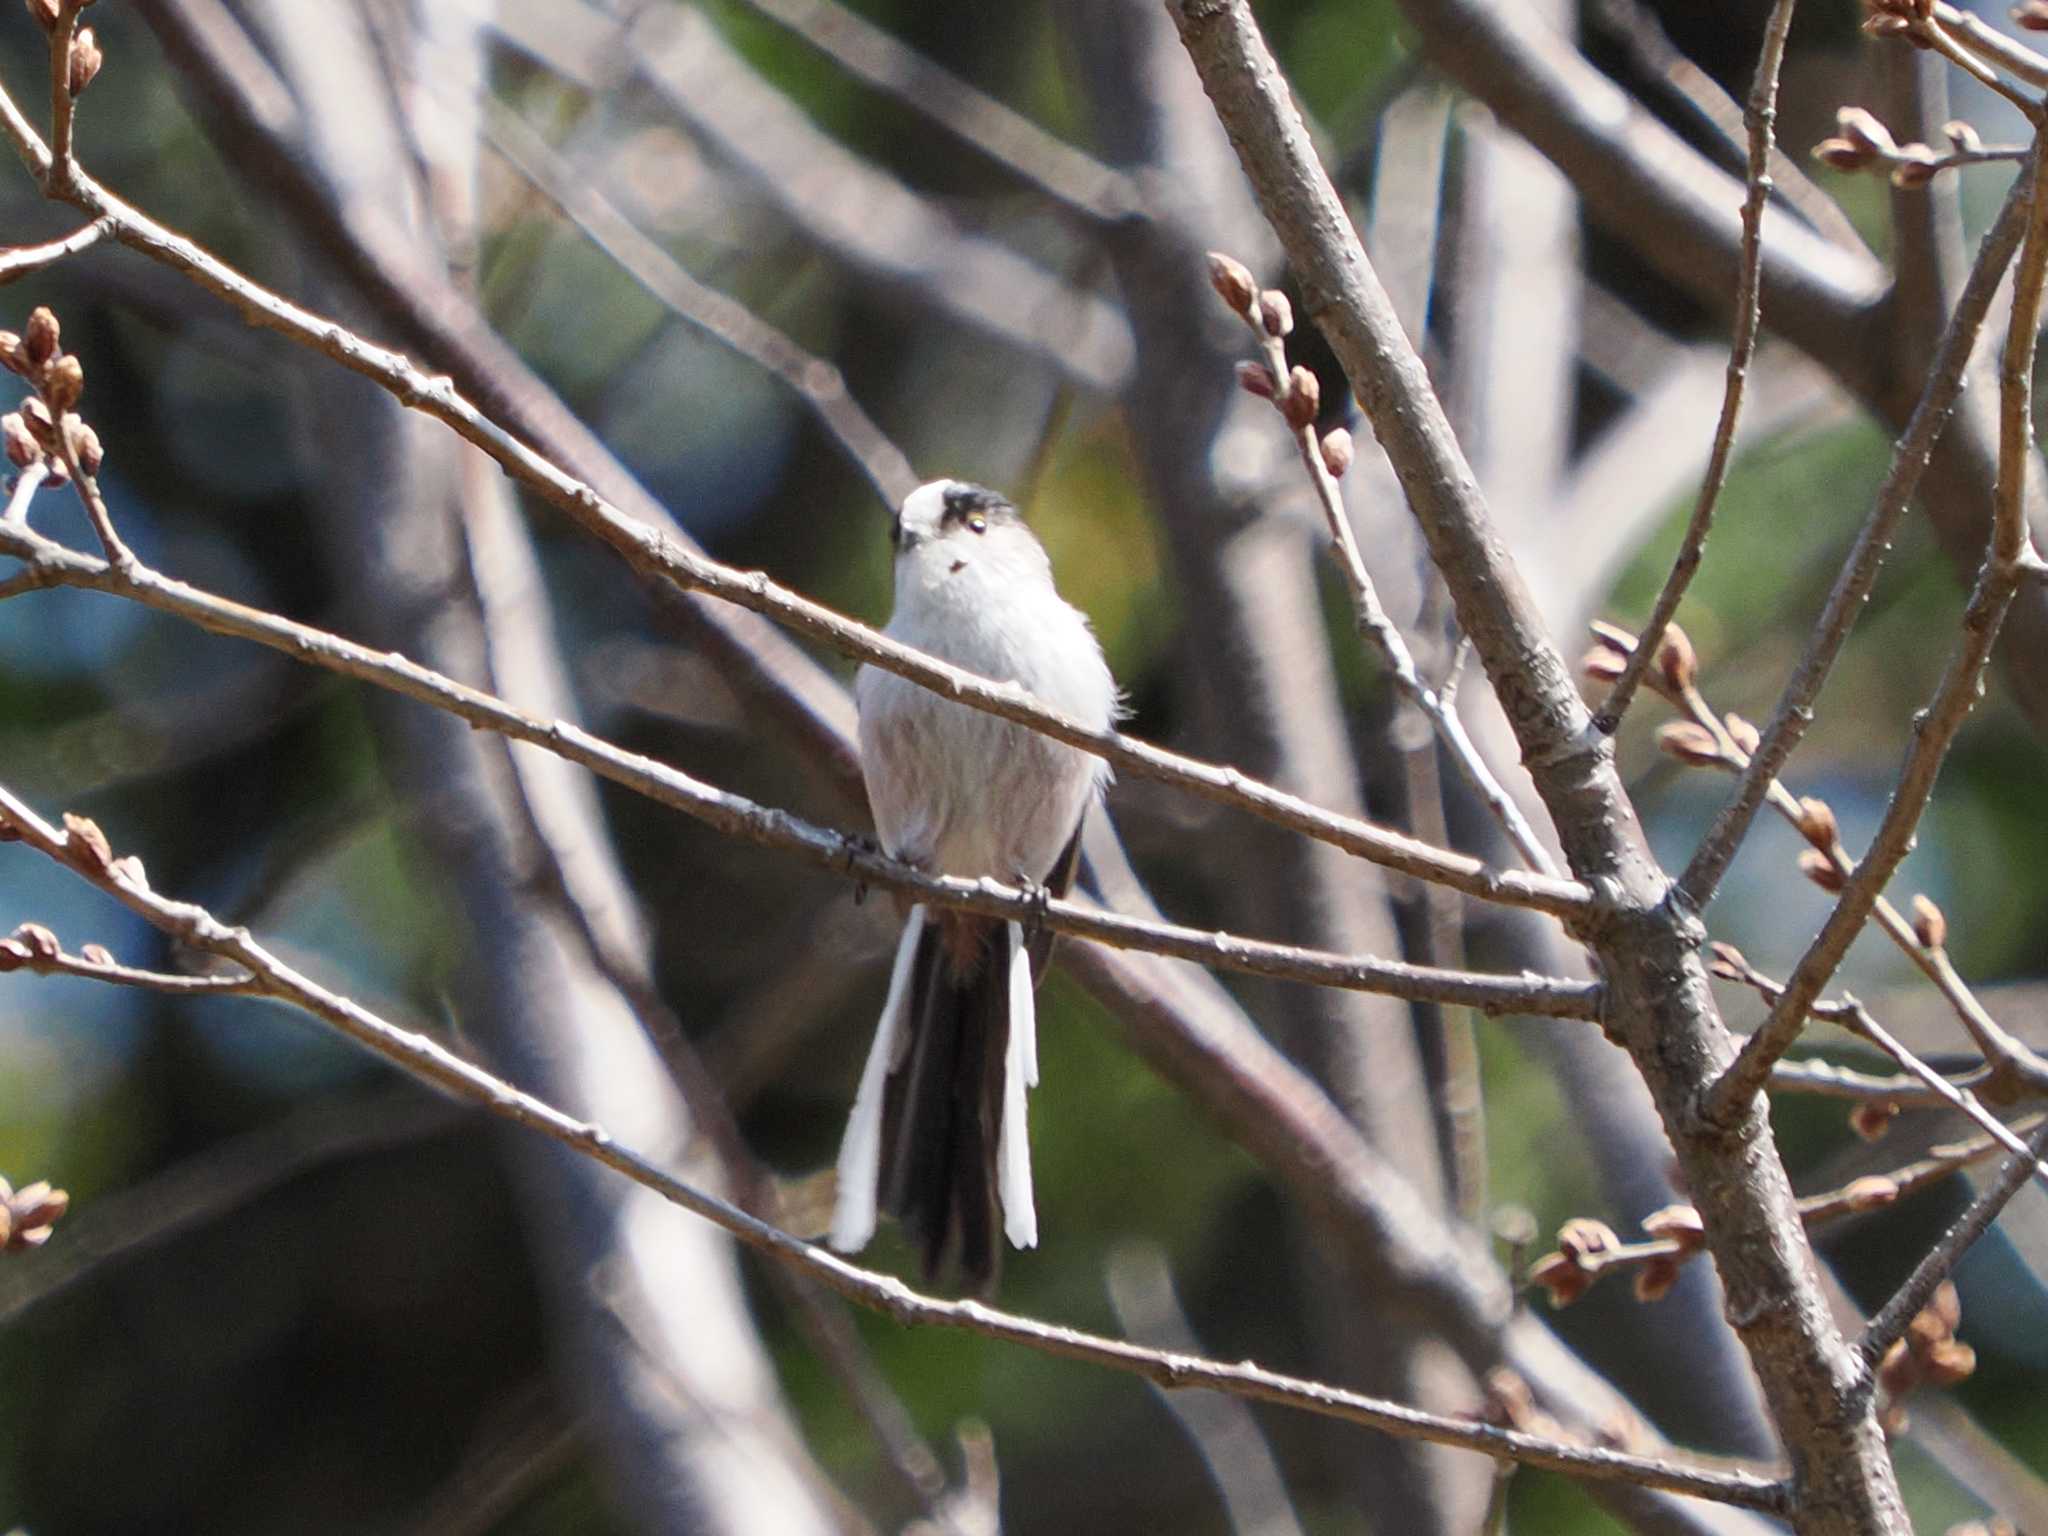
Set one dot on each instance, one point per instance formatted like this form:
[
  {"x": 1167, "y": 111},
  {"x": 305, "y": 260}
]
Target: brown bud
[
  {"x": 96, "y": 954},
  {"x": 1678, "y": 665},
  {"x": 1820, "y": 869},
  {"x": 2031, "y": 15},
  {"x": 1930, "y": 927},
  {"x": 1680, "y": 1224},
  {"x": 1913, "y": 174},
  {"x": 13, "y": 356},
  {"x": 86, "y": 845},
  {"x": 35, "y": 415},
  {"x": 130, "y": 870},
  {"x": 1865, "y": 131},
  {"x": 1601, "y": 665},
  {"x": 1613, "y": 637},
  {"x": 1338, "y": 452},
  {"x": 1276, "y": 315},
  {"x": 1656, "y": 1278},
  {"x": 22, "y": 448},
  {"x": 1872, "y": 1192},
  {"x": 41, "y": 338},
  {"x": 1304, "y": 398},
  {"x": 1817, "y": 824},
  {"x": 65, "y": 382},
  {"x": 1873, "y": 1118},
  {"x": 1841, "y": 155},
  {"x": 1729, "y": 963},
  {"x": 86, "y": 444},
  {"x": 85, "y": 61},
  {"x": 13, "y": 955},
  {"x": 1257, "y": 379},
  {"x": 1232, "y": 281},
  {"x": 1947, "y": 1363},
  {"x": 39, "y": 941},
  {"x": 1562, "y": 1276},
  {"x": 1743, "y": 733},
  {"x": 1583, "y": 1238},
  {"x": 1691, "y": 743}
]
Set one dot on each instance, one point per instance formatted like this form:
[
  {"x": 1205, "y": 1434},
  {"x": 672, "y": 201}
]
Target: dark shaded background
[{"x": 340, "y": 1327}]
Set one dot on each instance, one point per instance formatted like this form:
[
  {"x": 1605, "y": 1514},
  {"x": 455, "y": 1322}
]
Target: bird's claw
[{"x": 853, "y": 847}]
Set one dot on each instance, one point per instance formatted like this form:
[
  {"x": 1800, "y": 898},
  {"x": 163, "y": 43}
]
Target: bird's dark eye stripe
[{"x": 973, "y": 506}]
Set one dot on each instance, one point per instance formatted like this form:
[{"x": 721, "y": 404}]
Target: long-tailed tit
[{"x": 937, "y": 1137}]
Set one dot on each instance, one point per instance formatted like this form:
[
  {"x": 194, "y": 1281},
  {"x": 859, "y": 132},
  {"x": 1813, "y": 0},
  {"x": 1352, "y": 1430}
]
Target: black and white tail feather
[{"x": 938, "y": 1137}]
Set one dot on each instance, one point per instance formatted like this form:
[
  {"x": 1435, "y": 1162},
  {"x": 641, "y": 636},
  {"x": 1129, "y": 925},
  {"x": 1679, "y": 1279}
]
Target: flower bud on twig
[
  {"x": 84, "y": 62},
  {"x": 1257, "y": 379},
  {"x": 1820, "y": 869},
  {"x": 1232, "y": 281},
  {"x": 1337, "y": 452},
  {"x": 42, "y": 336},
  {"x": 1930, "y": 926},
  {"x": 1304, "y": 398},
  {"x": 1690, "y": 743},
  {"x": 66, "y": 382},
  {"x": 1276, "y": 315}
]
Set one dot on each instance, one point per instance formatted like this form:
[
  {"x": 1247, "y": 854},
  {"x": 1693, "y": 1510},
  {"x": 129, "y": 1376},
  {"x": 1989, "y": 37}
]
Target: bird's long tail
[{"x": 938, "y": 1134}]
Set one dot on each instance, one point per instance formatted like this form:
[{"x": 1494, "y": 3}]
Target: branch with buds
[
  {"x": 1862, "y": 143},
  {"x": 1297, "y": 396},
  {"x": 81, "y": 847}
]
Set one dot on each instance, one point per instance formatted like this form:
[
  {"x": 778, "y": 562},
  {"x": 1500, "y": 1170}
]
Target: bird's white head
[{"x": 948, "y": 527}]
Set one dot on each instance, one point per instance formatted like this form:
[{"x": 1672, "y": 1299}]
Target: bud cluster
[
  {"x": 1295, "y": 392},
  {"x": 47, "y": 427},
  {"x": 1929, "y": 1355},
  {"x": 1862, "y": 143}
]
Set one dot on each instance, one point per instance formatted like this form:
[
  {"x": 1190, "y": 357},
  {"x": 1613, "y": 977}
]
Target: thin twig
[
  {"x": 1891, "y": 1320},
  {"x": 62, "y": 104},
  {"x": 1954, "y": 695},
  {"x": 2011, "y": 1063},
  {"x": 1762, "y": 115},
  {"x": 740, "y": 817},
  {"x": 1702, "y": 877},
  {"x": 1952, "y": 1094},
  {"x": 20, "y": 260},
  {"x": 434, "y": 1064},
  {"x": 651, "y": 553},
  {"x": 26, "y": 484},
  {"x": 1372, "y": 618},
  {"x": 59, "y": 963},
  {"x": 1642, "y": 34}
]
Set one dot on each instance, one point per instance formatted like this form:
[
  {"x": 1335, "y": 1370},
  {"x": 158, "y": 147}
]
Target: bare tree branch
[
  {"x": 1762, "y": 116},
  {"x": 1659, "y": 1003},
  {"x": 84, "y": 853},
  {"x": 1957, "y": 691},
  {"x": 740, "y": 817}
]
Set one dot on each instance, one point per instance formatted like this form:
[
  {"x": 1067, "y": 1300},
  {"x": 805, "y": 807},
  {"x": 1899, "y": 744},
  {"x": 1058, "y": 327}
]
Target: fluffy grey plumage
[{"x": 937, "y": 1134}]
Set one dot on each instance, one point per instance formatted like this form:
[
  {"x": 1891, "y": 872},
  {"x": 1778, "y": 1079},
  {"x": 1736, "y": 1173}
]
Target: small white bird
[{"x": 937, "y": 1137}]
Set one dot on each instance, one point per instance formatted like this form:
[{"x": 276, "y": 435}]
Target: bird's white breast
[{"x": 956, "y": 788}]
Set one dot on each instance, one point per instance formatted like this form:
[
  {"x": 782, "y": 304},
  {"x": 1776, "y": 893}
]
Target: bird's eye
[{"x": 978, "y": 523}]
